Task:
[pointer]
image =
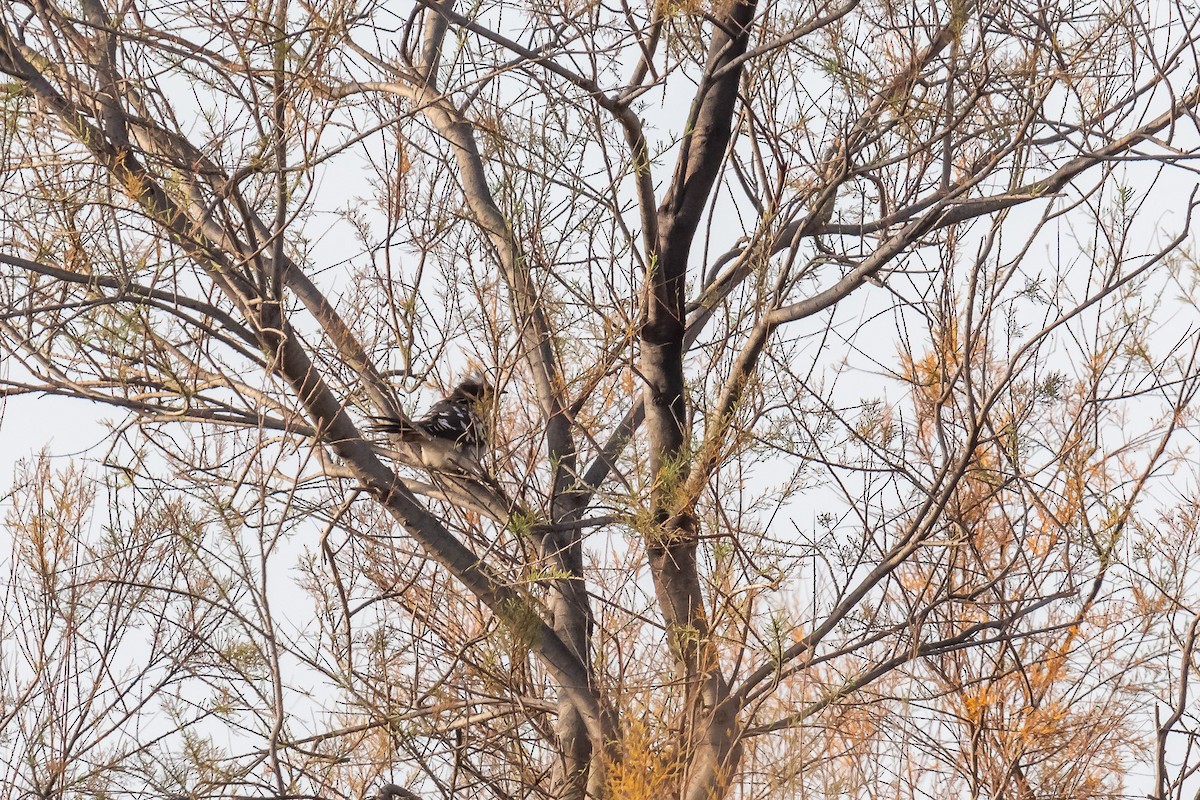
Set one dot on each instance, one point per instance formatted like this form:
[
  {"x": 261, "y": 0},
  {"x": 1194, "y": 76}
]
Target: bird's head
[{"x": 476, "y": 388}]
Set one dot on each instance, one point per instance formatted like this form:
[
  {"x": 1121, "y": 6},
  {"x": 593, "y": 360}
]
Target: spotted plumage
[{"x": 453, "y": 433}]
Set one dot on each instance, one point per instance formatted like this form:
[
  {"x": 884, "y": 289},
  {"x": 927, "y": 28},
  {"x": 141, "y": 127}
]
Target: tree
[{"x": 851, "y": 360}]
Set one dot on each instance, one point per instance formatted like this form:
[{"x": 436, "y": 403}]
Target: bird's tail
[{"x": 405, "y": 429}]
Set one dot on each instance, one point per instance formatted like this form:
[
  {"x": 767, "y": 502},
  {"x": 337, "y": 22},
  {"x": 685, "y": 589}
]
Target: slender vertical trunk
[
  {"x": 570, "y": 616},
  {"x": 710, "y": 753}
]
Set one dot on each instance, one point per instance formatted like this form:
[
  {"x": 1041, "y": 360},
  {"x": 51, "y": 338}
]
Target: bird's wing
[{"x": 449, "y": 420}]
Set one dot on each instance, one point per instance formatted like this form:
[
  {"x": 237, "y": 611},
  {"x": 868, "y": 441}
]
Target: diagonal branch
[{"x": 333, "y": 426}]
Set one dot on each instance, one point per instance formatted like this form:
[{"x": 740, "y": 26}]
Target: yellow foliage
[
  {"x": 975, "y": 702},
  {"x": 930, "y": 374},
  {"x": 673, "y": 8},
  {"x": 647, "y": 770}
]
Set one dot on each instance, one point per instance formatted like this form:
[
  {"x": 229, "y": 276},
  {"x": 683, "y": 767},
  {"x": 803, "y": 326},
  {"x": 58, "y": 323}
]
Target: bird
[
  {"x": 390, "y": 791},
  {"x": 453, "y": 434}
]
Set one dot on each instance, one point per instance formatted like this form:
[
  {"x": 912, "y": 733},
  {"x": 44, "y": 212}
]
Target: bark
[{"x": 710, "y": 751}]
